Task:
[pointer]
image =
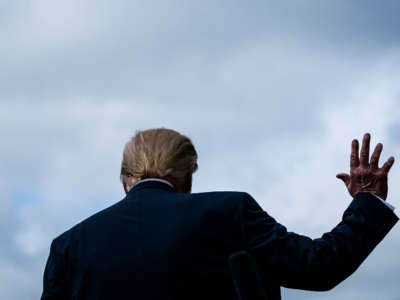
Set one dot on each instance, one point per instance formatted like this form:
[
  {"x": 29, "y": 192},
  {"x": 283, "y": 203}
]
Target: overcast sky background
[{"x": 271, "y": 94}]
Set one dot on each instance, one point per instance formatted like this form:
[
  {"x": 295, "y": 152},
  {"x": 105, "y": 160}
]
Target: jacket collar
[{"x": 154, "y": 183}]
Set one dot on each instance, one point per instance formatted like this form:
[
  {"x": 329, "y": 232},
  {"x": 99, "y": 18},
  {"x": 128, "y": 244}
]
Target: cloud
[{"x": 271, "y": 94}]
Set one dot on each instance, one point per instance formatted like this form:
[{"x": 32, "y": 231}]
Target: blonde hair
[{"x": 159, "y": 153}]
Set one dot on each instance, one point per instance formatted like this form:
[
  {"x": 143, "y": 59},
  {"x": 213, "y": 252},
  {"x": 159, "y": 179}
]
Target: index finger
[{"x": 354, "y": 160}]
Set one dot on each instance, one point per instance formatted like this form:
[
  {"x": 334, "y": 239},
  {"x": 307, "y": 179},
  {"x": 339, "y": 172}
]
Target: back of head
[{"x": 158, "y": 153}]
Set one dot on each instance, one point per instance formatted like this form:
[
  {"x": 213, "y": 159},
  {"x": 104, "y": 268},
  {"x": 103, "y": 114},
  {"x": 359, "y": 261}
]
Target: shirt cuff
[{"x": 386, "y": 203}]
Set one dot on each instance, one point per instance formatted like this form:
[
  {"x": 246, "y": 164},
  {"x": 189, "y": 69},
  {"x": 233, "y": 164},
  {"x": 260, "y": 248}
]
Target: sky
[{"x": 270, "y": 93}]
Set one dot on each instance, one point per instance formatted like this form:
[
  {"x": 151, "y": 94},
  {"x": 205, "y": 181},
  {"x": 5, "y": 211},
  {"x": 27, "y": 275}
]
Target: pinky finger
[{"x": 388, "y": 164}]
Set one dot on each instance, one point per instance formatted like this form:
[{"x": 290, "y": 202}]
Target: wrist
[{"x": 379, "y": 195}]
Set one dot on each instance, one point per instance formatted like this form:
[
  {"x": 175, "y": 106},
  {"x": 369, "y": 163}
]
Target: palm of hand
[
  {"x": 366, "y": 176},
  {"x": 367, "y": 180}
]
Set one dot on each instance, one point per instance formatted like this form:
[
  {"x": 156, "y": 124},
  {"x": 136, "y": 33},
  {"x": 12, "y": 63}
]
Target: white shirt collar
[{"x": 155, "y": 179}]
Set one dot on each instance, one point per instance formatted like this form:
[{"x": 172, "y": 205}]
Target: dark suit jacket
[{"x": 159, "y": 244}]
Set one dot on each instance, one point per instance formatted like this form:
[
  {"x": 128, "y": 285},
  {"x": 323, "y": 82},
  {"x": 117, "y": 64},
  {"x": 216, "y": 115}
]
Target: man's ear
[
  {"x": 125, "y": 188},
  {"x": 188, "y": 183}
]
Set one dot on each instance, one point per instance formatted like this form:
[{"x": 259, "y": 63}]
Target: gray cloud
[{"x": 270, "y": 93}]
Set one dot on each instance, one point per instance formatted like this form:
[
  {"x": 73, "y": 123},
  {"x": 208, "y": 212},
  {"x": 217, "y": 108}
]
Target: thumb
[{"x": 345, "y": 177}]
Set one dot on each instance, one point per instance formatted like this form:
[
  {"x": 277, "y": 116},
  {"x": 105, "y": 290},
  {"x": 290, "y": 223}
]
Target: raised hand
[{"x": 367, "y": 176}]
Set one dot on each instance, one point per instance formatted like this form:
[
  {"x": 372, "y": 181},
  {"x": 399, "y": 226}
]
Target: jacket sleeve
[
  {"x": 296, "y": 261},
  {"x": 54, "y": 278}
]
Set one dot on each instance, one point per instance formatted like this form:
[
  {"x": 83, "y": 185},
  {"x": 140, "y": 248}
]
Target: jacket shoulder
[
  {"x": 222, "y": 196},
  {"x": 220, "y": 216},
  {"x": 221, "y": 200}
]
